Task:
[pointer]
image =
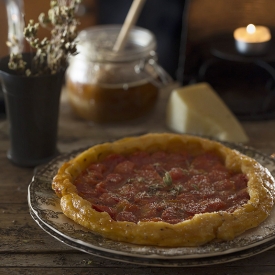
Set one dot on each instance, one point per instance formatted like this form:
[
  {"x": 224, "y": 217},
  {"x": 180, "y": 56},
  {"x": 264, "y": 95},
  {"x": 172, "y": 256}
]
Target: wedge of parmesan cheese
[{"x": 197, "y": 109}]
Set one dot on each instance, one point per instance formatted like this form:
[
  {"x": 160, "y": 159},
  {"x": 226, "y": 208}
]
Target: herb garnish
[
  {"x": 195, "y": 186},
  {"x": 167, "y": 179}
]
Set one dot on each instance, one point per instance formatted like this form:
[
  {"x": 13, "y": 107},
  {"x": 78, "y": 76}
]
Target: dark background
[{"x": 162, "y": 17}]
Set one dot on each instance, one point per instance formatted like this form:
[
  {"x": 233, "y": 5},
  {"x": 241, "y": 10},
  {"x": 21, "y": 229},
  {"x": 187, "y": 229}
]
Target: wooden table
[{"x": 26, "y": 249}]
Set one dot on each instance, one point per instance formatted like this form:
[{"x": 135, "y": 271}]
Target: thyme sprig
[
  {"x": 51, "y": 54},
  {"x": 167, "y": 179}
]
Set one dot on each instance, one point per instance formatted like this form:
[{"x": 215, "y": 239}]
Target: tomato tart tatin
[{"x": 165, "y": 189}]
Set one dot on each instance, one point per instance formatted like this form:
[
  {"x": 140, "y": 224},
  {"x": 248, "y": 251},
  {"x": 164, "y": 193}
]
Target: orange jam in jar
[{"x": 106, "y": 86}]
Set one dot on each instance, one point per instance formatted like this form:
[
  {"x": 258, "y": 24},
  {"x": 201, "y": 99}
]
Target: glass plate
[{"x": 45, "y": 209}]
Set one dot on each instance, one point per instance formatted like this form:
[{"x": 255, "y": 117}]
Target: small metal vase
[{"x": 32, "y": 108}]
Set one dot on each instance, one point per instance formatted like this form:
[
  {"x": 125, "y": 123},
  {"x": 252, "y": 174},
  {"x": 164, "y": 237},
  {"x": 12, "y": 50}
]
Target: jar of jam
[{"x": 107, "y": 86}]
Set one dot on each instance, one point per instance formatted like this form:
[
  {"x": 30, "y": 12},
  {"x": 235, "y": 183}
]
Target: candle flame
[{"x": 251, "y": 29}]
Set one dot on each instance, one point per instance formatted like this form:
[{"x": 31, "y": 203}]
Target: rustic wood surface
[{"x": 26, "y": 249}]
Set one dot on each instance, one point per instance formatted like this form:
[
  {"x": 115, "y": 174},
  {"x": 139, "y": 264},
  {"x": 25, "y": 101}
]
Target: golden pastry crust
[{"x": 199, "y": 230}]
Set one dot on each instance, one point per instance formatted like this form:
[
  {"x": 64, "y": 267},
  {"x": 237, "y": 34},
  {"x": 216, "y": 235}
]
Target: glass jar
[{"x": 107, "y": 86}]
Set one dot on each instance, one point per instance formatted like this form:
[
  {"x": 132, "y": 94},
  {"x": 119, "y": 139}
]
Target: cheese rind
[{"x": 197, "y": 109}]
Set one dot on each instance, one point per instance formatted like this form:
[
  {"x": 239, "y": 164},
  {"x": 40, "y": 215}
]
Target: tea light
[{"x": 252, "y": 40}]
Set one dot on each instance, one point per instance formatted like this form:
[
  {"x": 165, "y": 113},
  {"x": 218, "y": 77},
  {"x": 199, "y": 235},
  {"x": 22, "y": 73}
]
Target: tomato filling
[{"x": 169, "y": 187}]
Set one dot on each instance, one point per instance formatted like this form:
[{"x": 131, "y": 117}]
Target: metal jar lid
[{"x": 96, "y": 43}]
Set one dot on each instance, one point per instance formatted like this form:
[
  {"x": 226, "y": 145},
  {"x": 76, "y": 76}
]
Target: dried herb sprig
[
  {"x": 167, "y": 179},
  {"x": 50, "y": 54}
]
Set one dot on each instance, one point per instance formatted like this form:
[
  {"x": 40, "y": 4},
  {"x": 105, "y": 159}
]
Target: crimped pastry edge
[{"x": 199, "y": 230}]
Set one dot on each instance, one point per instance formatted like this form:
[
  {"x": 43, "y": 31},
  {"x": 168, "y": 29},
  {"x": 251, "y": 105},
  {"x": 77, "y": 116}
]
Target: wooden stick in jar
[{"x": 130, "y": 21}]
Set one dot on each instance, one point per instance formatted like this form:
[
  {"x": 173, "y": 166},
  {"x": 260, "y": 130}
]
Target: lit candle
[{"x": 252, "y": 40}]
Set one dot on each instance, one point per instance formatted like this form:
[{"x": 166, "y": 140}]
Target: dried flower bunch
[{"x": 50, "y": 53}]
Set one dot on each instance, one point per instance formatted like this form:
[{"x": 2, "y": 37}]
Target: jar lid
[{"x": 96, "y": 44}]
